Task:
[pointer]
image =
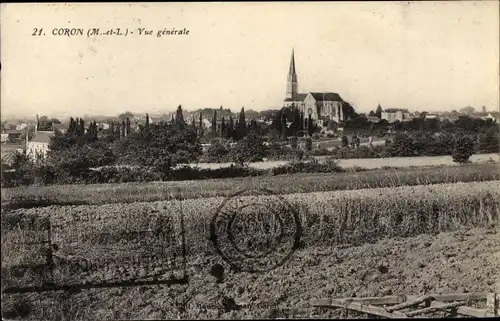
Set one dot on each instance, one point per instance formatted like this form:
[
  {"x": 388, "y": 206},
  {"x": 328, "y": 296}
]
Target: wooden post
[{"x": 492, "y": 303}]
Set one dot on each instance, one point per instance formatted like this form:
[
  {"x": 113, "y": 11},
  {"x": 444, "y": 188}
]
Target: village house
[
  {"x": 372, "y": 119},
  {"x": 396, "y": 114},
  {"x": 11, "y": 135},
  {"x": 21, "y": 126},
  {"x": 320, "y": 105},
  {"x": 432, "y": 116},
  {"x": 38, "y": 146},
  {"x": 494, "y": 116}
]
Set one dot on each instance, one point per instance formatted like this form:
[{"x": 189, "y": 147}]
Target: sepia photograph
[{"x": 250, "y": 160}]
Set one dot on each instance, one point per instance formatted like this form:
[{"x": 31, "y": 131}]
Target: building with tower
[
  {"x": 322, "y": 106},
  {"x": 38, "y": 146}
]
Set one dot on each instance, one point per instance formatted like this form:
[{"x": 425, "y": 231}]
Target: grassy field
[
  {"x": 338, "y": 217},
  {"x": 284, "y": 184}
]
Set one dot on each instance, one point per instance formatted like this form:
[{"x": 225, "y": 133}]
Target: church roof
[
  {"x": 298, "y": 97},
  {"x": 327, "y": 96},
  {"x": 42, "y": 137},
  {"x": 318, "y": 96}
]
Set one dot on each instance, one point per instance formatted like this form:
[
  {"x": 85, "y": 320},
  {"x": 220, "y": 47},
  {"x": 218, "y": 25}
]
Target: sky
[{"x": 417, "y": 55}]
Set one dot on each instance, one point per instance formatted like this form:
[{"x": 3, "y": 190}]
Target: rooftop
[
  {"x": 318, "y": 96},
  {"x": 42, "y": 137}
]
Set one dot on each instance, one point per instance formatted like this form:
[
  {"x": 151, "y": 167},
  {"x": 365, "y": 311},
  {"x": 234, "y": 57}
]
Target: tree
[
  {"x": 111, "y": 134},
  {"x": 128, "y": 126},
  {"x": 214, "y": 122},
  {"x": 371, "y": 113},
  {"x": 344, "y": 141},
  {"x": 46, "y": 124},
  {"x": 463, "y": 149},
  {"x": 160, "y": 147},
  {"x": 241, "y": 125},
  {"x": 308, "y": 143},
  {"x": 250, "y": 149},
  {"x": 468, "y": 110},
  {"x": 217, "y": 152},
  {"x": 379, "y": 111},
  {"x": 223, "y": 130},
  {"x": 277, "y": 122},
  {"x": 489, "y": 141},
  {"x": 283, "y": 126},
  {"x": 125, "y": 115},
  {"x": 82, "y": 127},
  {"x": 118, "y": 134},
  {"x": 200, "y": 125},
  {"x": 230, "y": 127},
  {"x": 71, "y": 154},
  {"x": 179, "y": 117},
  {"x": 310, "y": 127}
]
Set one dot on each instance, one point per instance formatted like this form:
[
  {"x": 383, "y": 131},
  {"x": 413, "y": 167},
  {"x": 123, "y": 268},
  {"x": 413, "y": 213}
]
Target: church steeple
[{"x": 291, "y": 86}]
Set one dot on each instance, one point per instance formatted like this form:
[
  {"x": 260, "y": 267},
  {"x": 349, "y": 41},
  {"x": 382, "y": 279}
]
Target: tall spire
[
  {"x": 291, "y": 71},
  {"x": 292, "y": 84}
]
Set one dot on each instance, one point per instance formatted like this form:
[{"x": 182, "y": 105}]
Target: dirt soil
[{"x": 462, "y": 261}]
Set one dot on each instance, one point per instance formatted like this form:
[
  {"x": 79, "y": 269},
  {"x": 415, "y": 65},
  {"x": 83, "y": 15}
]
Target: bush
[
  {"x": 308, "y": 143},
  {"x": 463, "y": 149},
  {"x": 312, "y": 166},
  {"x": 218, "y": 152},
  {"x": 321, "y": 152},
  {"x": 489, "y": 142},
  {"x": 250, "y": 149},
  {"x": 344, "y": 141}
]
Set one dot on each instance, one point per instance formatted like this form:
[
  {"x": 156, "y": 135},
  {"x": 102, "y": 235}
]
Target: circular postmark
[{"x": 255, "y": 230}]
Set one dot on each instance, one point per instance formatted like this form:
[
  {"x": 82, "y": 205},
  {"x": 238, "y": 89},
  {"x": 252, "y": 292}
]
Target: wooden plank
[
  {"x": 393, "y": 299},
  {"x": 491, "y": 303},
  {"x": 410, "y": 303},
  {"x": 366, "y": 308},
  {"x": 473, "y": 312},
  {"x": 437, "y": 307},
  {"x": 390, "y": 299},
  {"x": 467, "y": 311},
  {"x": 459, "y": 296}
]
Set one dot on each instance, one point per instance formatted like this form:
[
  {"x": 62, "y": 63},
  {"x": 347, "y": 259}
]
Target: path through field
[
  {"x": 372, "y": 163},
  {"x": 466, "y": 260}
]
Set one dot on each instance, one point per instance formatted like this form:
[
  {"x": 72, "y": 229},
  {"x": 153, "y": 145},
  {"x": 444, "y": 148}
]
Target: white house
[
  {"x": 39, "y": 144},
  {"x": 21, "y": 126},
  {"x": 396, "y": 114}
]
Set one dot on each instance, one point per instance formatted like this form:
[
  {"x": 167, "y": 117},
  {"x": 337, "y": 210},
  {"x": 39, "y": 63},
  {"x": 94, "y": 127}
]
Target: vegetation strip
[{"x": 29, "y": 197}]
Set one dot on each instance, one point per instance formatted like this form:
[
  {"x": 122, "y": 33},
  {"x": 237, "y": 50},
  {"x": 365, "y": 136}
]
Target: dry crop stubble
[{"x": 328, "y": 218}]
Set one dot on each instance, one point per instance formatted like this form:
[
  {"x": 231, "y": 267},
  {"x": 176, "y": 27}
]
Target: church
[{"x": 322, "y": 106}]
